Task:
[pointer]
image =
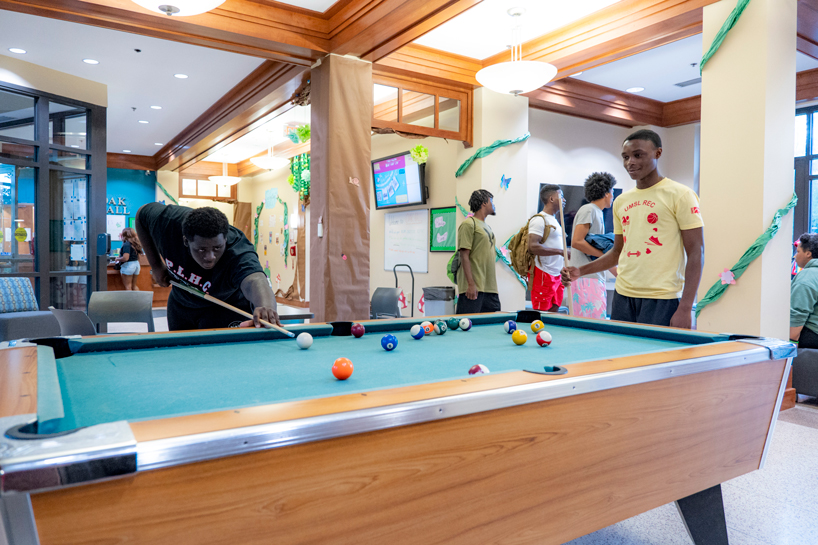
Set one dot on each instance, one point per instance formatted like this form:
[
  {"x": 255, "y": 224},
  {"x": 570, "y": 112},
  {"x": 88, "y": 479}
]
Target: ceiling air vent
[{"x": 689, "y": 82}]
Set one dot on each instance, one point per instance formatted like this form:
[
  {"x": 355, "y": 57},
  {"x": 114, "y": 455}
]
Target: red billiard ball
[
  {"x": 358, "y": 330},
  {"x": 479, "y": 369},
  {"x": 543, "y": 338},
  {"x": 342, "y": 368}
]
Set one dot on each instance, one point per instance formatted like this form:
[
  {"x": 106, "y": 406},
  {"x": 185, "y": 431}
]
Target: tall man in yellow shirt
[{"x": 655, "y": 225}]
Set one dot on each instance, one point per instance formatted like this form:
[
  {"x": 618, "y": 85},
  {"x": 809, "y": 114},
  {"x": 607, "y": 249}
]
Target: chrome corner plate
[{"x": 89, "y": 454}]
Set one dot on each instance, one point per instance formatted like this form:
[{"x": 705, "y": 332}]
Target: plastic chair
[
  {"x": 385, "y": 303},
  {"x": 73, "y": 322},
  {"x": 120, "y": 306}
]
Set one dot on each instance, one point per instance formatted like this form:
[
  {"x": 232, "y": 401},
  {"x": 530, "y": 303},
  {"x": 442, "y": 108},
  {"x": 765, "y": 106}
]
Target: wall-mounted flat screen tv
[{"x": 399, "y": 181}]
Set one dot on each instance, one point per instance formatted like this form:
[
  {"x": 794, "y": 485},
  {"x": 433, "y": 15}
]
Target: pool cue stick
[
  {"x": 565, "y": 258},
  {"x": 228, "y": 306}
]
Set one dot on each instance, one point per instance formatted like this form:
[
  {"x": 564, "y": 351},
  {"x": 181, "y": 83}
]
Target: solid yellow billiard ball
[
  {"x": 519, "y": 337},
  {"x": 537, "y": 326}
]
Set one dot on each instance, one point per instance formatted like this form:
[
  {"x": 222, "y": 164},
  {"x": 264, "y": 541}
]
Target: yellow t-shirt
[{"x": 651, "y": 221}]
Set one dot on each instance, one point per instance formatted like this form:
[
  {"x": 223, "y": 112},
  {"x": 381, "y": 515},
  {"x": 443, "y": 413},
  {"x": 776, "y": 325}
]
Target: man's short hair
[
  {"x": 546, "y": 190},
  {"x": 809, "y": 243},
  {"x": 646, "y": 134},
  {"x": 478, "y": 199},
  {"x": 207, "y": 222},
  {"x": 597, "y": 185}
]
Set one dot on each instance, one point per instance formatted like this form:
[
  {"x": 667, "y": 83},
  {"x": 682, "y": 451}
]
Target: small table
[{"x": 228, "y": 436}]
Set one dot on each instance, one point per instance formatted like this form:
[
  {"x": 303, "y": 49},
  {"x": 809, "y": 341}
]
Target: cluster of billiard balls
[
  {"x": 439, "y": 327},
  {"x": 519, "y": 337}
]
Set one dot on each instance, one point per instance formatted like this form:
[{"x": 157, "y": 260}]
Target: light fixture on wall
[
  {"x": 517, "y": 76},
  {"x": 224, "y": 178},
  {"x": 179, "y": 8}
]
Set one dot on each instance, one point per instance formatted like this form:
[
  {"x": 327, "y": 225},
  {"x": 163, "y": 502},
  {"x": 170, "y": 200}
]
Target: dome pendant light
[
  {"x": 518, "y": 76},
  {"x": 270, "y": 162},
  {"x": 179, "y": 8},
  {"x": 224, "y": 178}
]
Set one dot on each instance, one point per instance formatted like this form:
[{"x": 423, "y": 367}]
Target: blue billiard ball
[
  {"x": 510, "y": 326},
  {"x": 389, "y": 342},
  {"x": 417, "y": 332}
]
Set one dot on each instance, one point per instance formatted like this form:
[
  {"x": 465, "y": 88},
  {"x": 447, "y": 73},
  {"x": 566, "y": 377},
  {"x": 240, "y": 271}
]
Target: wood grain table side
[
  {"x": 540, "y": 473},
  {"x": 18, "y": 381}
]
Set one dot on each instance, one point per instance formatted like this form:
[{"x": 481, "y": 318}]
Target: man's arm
[
  {"x": 465, "y": 264},
  {"x": 159, "y": 271},
  {"x": 536, "y": 247},
  {"x": 607, "y": 261},
  {"x": 795, "y": 333},
  {"x": 693, "y": 240},
  {"x": 578, "y": 241},
  {"x": 257, "y": 290}
]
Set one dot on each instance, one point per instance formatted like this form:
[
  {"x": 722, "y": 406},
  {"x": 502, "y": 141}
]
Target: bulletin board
[
  {"x": 443, "y": 229},
  {"x": 406, "y": 240}
]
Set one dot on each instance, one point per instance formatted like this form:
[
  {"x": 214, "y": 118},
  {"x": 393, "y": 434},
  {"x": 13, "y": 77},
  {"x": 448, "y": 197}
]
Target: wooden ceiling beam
[
  {"x": 131, "y": 162},
  {"x": 807, "y": 38},
  {"x": 440, "y": 65}
]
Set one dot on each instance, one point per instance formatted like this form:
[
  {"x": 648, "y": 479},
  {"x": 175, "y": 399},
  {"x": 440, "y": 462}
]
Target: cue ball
[
  {"x": 342, "y": 368},
  {"x": 440, "y": 327},
  {"x": 543, "y": 338},
  {"x": 417, "y": 332},
  {"x": 465, "y": 324},
  {"x": 358, "y": 330},
  {"x": 519, "y": 337},
  {"x": 479, "y": 370},
  {"x": 304, "y": 341},
  {"x": 537, "y": 326},
  {"x": 389, "y": 342},
  {"x": 510, "y": 326},
  {"x": 453, "y": 323}
]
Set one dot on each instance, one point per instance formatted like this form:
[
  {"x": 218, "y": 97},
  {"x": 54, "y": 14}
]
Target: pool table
[{"x": 238, "y": 436}]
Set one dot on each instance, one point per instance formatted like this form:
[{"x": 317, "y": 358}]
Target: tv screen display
[
  {"x": 399, "y": 181},
  {"x": 574, "y": 198}
]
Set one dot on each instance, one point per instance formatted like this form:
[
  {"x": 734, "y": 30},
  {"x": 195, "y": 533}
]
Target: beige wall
[{"x": 29, "y": 75}]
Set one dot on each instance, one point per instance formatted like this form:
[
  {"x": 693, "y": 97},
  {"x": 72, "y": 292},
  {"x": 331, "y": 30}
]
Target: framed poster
[{"x": 443, "y": 229}]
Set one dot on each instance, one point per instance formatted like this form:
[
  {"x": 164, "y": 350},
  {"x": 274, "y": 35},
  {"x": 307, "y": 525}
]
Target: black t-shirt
[
  {"x": 128, "y": 249},
  {"x": 164, "y": 223}
]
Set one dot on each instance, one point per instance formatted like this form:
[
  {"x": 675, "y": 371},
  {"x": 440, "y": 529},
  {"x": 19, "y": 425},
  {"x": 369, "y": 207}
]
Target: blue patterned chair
[{"x": 19, "y": 315}]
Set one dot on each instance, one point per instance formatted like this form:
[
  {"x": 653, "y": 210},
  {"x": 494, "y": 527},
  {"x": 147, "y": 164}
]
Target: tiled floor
[{"x": 772, "y": 506}]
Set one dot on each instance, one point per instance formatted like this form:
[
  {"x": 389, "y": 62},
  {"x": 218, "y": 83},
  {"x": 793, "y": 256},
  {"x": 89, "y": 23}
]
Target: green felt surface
[{"x": 161, "y": 382}]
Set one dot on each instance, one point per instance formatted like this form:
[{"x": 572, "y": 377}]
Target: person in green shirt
[
  {"x": 804, "y": 294},
  {"x": 476, "y": 281}
]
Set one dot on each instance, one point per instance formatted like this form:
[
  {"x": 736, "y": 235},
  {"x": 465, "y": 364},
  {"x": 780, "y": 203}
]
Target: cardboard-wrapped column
[{"x": 341, "y": 96}]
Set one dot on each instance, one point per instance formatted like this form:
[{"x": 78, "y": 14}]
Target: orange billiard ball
[{"x": 342, "y": 368}]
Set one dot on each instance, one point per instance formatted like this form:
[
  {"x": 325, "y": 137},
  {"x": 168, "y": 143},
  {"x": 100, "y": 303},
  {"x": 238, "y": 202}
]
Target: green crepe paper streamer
[
  {"x": 165, "y": 191},
  {"x": 725, "y": 28},
  {"x": 500, "y": 255},
  {"x": 255, "y": 226},
  {"x": 298, "y": 165},
  {"x": 717, "y": 290},
  {"x": 488, "y": 150}
]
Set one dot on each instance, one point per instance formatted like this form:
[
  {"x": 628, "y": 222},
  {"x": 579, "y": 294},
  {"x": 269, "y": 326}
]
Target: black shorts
[
  {"x": 485, "y": 302},
  {"x": 643, "y": 311},
  {"x": 212, "y": 316},
  {"x": 808, "y": 338}
]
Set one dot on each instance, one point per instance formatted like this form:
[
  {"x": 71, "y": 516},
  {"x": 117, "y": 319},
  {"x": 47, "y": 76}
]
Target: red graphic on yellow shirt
[
  {"x": 694, "y": 210},
  {"x": 653, "y": 218},
  {"x": 654, "y": 241},
  {"x": 636, "y": 254},
  {"x": 626, "y": 220},
  {"x": 647, "y": 251}
]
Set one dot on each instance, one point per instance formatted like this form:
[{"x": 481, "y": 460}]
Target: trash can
[{"x": 439, "y": 300}]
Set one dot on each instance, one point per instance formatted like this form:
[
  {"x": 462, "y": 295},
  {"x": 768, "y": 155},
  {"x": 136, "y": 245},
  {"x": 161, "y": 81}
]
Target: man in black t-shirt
[{"x": 199, "y": 248}]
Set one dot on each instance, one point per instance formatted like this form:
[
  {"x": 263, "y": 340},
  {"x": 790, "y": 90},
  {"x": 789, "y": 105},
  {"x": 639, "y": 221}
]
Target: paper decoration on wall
[
  {"x": 488, "y": 150},
  {"x": 402, "y": 299},
  {"x": 283, "y": 250},
  {"x": 270, "y": 198},
  {"x": 727, "y": 277},
  {"x": 732, "y": 19},
  {"x": 354, "y": 181},
  {"x": 168, "y": 195},
  {"x": 422, "y": 304},
  {"x": 443, "y": 229},
  {"x": 344, "y": 257},
  {"x": 261, "y": 222},
  {"x": 277, "y": 242},
  {"x": 272, "y": 220},
  {"x": 504, "y": 182},
  {"x": 267, "y": 270},
  {"x": 278, "y": 279},
  {"x": 265, "y": 249},
  {"x": 255, "y": 226}
]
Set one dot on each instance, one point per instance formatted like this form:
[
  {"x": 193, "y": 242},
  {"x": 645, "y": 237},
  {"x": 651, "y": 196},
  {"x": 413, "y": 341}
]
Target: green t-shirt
[{"x": 476, "y": 236}]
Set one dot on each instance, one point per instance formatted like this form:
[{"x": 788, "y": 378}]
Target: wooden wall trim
[
  {"x": 131, "y": 162},
  {"x": 266, "y": 90},
  {"x": 440, "y": 65},
  {"x": 806, "y": 85},
  {"x": 589, "y": 101},
  {"x": 682, "y": 112}
]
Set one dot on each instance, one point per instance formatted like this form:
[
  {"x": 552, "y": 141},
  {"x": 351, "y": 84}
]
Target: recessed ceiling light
[
  {"x": 90, "y": 61},
  {"x": 635, "y": 90},
  {"x": 180, "y": 76},
  {"x": 158, "y": 144},
  {"x": 126, "y": 151},
  {"x": 575, "y": 75},
  {"x": 17, "y": 50},
  {"x": 156, "y": 107},
  {"x": 82, "y": 134},
  {"x": 144, "y": 122},
  {"x": 73, "y": 146}
]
